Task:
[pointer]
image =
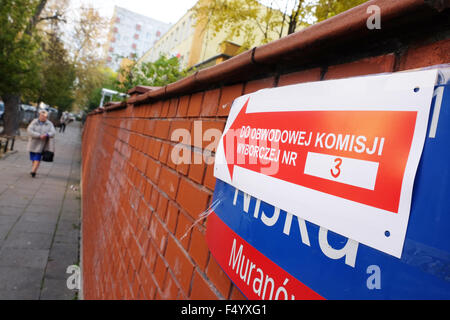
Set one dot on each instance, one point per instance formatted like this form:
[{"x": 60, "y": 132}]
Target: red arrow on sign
[{"x": 356, "y": 155}]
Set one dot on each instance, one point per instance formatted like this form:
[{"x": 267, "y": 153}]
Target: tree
[
  {"x": 58, "y": 75},
  {"x": 109, "y": 81},
  {"x": 252, "y": 21},
  {"x": 159, "y": 73},
  {"x": 19, "y": 55},
  {"x": 325, "y": 9},
  {"x": 86, "y": 49},
  {"x": 259, "y": 22}
]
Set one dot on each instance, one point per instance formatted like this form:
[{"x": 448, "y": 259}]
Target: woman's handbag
[{"x": 47, "y": 156}]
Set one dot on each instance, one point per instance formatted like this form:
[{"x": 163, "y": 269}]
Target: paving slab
[
  {"x": 39, "y": 221},
  {"x": 31, "y": 240},
  {"x": 20, "y": 257}
]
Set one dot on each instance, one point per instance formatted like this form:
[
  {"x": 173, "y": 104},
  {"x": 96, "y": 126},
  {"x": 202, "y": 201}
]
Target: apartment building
[
  {"x": 131, "y": 35},
  {"x": 195, "y": 44}
]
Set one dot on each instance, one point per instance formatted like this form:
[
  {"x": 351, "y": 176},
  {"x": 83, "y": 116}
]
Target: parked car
[
  {"x": 28, "y": 113},
  {"x": 71, "y": 117}
]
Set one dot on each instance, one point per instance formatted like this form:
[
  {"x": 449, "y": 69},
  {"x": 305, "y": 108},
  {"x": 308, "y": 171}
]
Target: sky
[{"x": 169, "y": 11}]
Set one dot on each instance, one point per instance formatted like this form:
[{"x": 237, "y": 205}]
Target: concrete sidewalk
[{"x": 40, "y": 221}]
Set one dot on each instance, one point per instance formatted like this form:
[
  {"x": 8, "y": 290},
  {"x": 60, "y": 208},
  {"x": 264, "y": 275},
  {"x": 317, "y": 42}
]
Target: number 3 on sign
[{"x": 336, "y": 171}]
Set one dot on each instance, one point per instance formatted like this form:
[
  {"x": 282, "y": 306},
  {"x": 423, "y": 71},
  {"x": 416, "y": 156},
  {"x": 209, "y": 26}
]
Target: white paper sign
[{"x": 342, "y": 154}]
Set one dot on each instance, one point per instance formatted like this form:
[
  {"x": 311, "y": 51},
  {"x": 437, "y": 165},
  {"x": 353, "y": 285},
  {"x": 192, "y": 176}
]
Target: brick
[
  {"x": 179, "y": 263},
  {"x": 158, "y": 295},
  {"x": 154, "y": 199},
  {"x": 228, "y": 94},
  {"x": 150, "y": 258},
  {"x": 210, "y": 180},
  {"x": 153, "y": 170},
  {"x": 141, "y": 162},
  {"x": 218, "y": 277},
  {"x": 198, "y": 249},
  {"x": 183, "y": 167},
  {"x": 165, "y": 108},
  {"x": 180, "y": 130},
  {"x": 140, "y": 142},
  {"x": 161, "y": 129},
  {"x": 143, "y": 213},
  {"x": 161, "y": 210},
  {"x": 168, "y": 182},
  {"x": 192, "y": 198},
  {"x": 195, "y": 105},
  {"x": 155, "y": 110},
  {"x": 144, "y": 236},
  {"x": 164, "y": 152},
  {"x": 149, "y": 127},
  {"x": 201, "y": 290},
  {"x": 236, "y": 294},
  {"x": 160, "y": 271},
  {"x": 140, "y": 124},
  {"x": 173, "y": 105},
  {"x": 365, "y": 66},
  {"x": 183, "y": 106},
  {"x": 179, "y": 154},
  {"x": 255, "y": 85},
  {"x": 299, "y": 77},
  {"x": 136, "y": 287},
  {"x": 197, "y": 170},
  {"x": 159, "y": 234},
  {"x": 154, "y": 148},
  {"x": 210, "y": 103},
  {"x": 425, "y": 55},
  {"x": 172, "y": 156},
  {"x": 170, "y": 289},
  {"x": 183, "y": 230},
  {"x": 211, "y": 133},
  {"x": 171, "y": 217}
]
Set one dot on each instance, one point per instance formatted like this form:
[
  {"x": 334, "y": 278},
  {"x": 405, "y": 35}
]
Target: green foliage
[
  {"x": 328, "y": 8},
  {"x": 247, "y": 20},
  {"x": 34, "y": 63},
  {"x": 108, "y": 81},
  {"x": 159, "y": 73},
  {"x": 259, "y": 22},
  {"x": 20, "y": 58},
  {"x": 85, "y": 49},
  {"x": 57, "y": 75}
]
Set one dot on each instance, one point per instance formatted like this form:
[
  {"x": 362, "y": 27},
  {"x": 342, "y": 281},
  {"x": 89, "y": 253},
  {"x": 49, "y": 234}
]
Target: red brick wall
[{"x": 139, "y": 206}]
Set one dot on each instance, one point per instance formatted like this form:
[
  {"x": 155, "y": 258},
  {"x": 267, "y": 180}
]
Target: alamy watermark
[
  {"x": 74, "y": 280},
  {"x": 374, "y": 20},
  {"x": 374, "y": 280}
]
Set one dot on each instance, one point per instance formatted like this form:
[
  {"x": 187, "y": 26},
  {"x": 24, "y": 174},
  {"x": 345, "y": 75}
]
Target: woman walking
[
  {"x": 41, "y": 132},
  {"x": 63, "y": 122}
]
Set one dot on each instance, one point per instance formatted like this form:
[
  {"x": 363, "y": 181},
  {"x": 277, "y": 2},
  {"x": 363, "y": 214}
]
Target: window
[
  {"x": 158, "y": 33},
  {"x": 138, "y": 27},
  {"x": 111, "y": 49},
  {"x": 134, "y": 46},
  {"x": 136, "y": 36},
  {"x": 117, "y": 20}
]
